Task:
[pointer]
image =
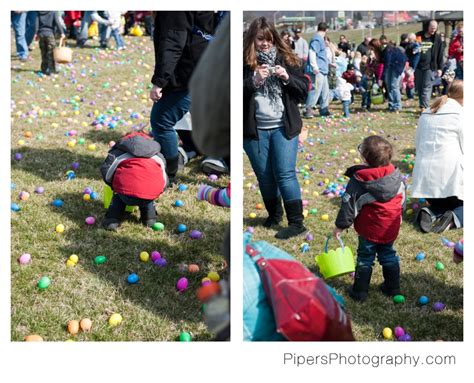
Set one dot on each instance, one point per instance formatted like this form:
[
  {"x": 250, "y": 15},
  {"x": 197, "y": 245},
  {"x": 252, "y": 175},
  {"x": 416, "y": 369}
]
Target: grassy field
[
  {"x": 43, "y": 111},
  {"x": 331, "y": 148}
]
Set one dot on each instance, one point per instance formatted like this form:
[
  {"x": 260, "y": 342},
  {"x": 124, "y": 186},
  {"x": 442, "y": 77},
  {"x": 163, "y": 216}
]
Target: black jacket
[
  {"x": 437, "y": 53},
  {"x": 293, "y": 93},
  {"x": 179, "y": 43}
]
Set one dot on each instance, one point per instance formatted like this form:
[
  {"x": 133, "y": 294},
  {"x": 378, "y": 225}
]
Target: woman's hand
[
  {"x": 155, "y": 93},
  {"x": 261, "y": 74},
  {"x": 337, "y": 232},
  {"x": 281, "y": 72}
]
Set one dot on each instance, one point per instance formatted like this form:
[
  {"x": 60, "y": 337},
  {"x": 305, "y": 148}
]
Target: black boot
[
  {"x": 275, "y": 211},
  {"x": 294, "y": 214},
  {"x": 172, "y": 165},
  {"x": 148, "y": 215},
  {"x": 360, "y": 290},
  {"x": 391, "y": 284},
  {"x": 114, "y": 214}
]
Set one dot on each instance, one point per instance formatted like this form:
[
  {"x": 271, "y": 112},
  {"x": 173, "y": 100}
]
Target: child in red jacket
[
  {"x": 135, "y": 170},
  {"x": 373, "y": 202}
]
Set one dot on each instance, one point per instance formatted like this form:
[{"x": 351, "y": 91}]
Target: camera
[{"x": 272, "y": 70}]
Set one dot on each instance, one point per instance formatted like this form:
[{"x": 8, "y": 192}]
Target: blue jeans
[
  {"x": 273, "y": 159},
  {"x": 118, "y": 38},
  {"x": 459, "y": 71},
  {"x": 30, "y": 26},
  {"x": 366, "y": 100},
  {"x": 320, "y": 92},
  {"x": 104, "y": 35},
  {"x": 84, "y": 33},
  {"x": 165, "y": 113},
  {"x": 410, "y": 93},
  {"x": 367, "y": 251},
  {"x": 393, "y": 86},
  {"x": 18, "y": 21},
  {"x": 345, "y": 107}
]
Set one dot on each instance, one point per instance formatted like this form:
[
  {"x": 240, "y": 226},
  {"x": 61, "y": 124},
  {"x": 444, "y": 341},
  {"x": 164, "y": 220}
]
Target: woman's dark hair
[
  {"x": 377, "y": 151},
  {"x": 270, "y": 33}
]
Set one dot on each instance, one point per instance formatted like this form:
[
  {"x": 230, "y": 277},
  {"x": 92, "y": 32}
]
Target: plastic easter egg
[
  {"x": 213, "y": 276},
  {"x": 387, "y": 333},
  {"x": 313, "y": 211},
  {"x": 398, "y": 331},
  {"x": 259, "y": 206},
  {"x": 18, "y": 156},
  {"x": 250, "y": 230},
  {"x": 195, "y": 234},
  {"x": 85, "y": 324},
  {"x": 24, "y": 195},
  {"x": 144, "y": 256},
  {"x": 115, "y": 319},
  {"x": 459, "y": 247},
  {"x": 15, "y": 207},
  {"x": 94, "y": 195},
  {"x": 252, "y": 215},
  {"x": 205, "y": 281},
  {"x": 423, "y": 300},
  {"x": 60, "y": 228},
  {"x": 73, "y": 327},
  {"x": 399, "y": 299},
  {"x": 133, "y": 278},
  {"x": 44, "y": 283},
  {"x": 439, "y": 266},
  {"x": 325, "y": 217},
  {"x": 155, "y": 255},
  {"x": 100, "y": 259},
  {"x": 193, "y": 268},
  {"x": 158, "y": 226},
  {"x": 405, "y": 338},
  {"x": 39, "y": 190},
  {"x": 90, "y": 221},
  {"x": 438, "y": 306},
  {"x": 58, "y": 203},
  {"x": 21, "y": 142},
  {"x": 178, "y": 203},
  {"x": 181, "y": 228},
  {"x": 182, "y": 187},
  {"x": 24, "y": 259},
  {"x": 33, "y": 338},
  {"x": 160, "y": 262},
  {"x": 309, "y": 237},
  {"x": 213, "y": 177},
  {"x": 91, "y": 147},
  {"x": 182, "y": 284},
  {"x": 70, "y": 263},
  {"x": 420, "y": 256},
  {"x": 185, "y": 337}
]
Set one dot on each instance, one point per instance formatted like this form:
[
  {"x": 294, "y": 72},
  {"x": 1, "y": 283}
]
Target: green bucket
[
  {"x": 334, "y": 263},
  {"x": 108, "y": 194}
]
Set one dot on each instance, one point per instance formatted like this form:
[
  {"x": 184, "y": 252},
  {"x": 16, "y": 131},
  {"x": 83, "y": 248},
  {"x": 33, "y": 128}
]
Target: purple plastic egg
[
  {"x": 399, "y": 332},
  {"x": 87, "y": 191},
  {"x": 405, "y": 338},
  {"x": 182, "y": 284},
  {"x": 39, "y": 190},
  {"x": 24, "y": 259},
  {"x": 250, "y": 230},
  {"x": 18, "y": 156},
  {"x": 213, "y": 177},
  {"x": 309, "y": 237},
  {"x": 75, "y": 165},
  {"x": 155, "y": 255},
  {"x": 161, "y": 262},
  {"x": 438, "y": 306},
  {"x": 195, "y": 234},
  {"x": 90, "y": 220}
]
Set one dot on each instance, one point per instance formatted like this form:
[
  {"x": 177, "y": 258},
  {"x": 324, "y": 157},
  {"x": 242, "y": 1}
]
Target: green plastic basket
[
  {"x": 108, "y": 194},
  {"x": 334, "y": 263}
]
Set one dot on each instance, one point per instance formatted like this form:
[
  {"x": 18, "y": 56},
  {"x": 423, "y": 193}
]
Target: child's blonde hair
[{"x": 455, "y": 91}]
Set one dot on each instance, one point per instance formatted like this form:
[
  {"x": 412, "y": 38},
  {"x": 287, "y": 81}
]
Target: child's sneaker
[{"x": 111, "y": 224}]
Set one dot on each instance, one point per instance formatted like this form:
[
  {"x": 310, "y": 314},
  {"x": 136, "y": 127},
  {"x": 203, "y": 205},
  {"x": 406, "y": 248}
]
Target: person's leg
[
  {"x": 324, "y": 109},
  {"x": 366, "y": 252},
  {"x": 44, "y": 54},
  {"x": 364, "y": 91},
  {"x": 345, "y": 108},
  {"x": 165, "y": 113},
  {"x": 50, "y": 45},
  {"x": 18, "y": 21},
  {"x": 313, "y": 95},
  {"x": 397, "y": 96},
  {"x": 419, "y": 86},
  {"x": 83, "y": 35},
  {"x": 114, "y": 213},
  {"x": 410, "y": 93},
  {"x": 390, "y": 263},
  {"x": 390, "y": 94},
  {"x": 30, "y": 27},
  {"x": 103, "y": 38},
  {"x": 147, "y": 209},
  {"x": 258, "y": 154},
  {"x": 118, "y": 39},
  {"x": 427, "y": 88},
  {"x": 283, "y": 153}
]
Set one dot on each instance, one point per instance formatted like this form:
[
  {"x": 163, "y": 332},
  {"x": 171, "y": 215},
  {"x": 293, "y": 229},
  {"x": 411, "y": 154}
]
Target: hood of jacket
[
  {"x": 139, "y": 145},
  {"x": 383, "y": 183}
]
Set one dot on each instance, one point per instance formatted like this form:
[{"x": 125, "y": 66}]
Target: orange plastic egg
[
  {"x": 33, "y": 338},
  {"x": 86, "y": 324},
  {"x": 73, "y": 327}
]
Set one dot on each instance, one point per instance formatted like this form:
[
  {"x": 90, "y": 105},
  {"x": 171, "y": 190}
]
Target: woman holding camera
[{"x": 274, "y": 84}]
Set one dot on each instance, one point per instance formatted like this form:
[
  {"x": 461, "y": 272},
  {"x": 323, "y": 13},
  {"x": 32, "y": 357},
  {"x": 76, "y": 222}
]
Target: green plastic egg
[
  {"x": 100, "y": 259},
  {"x": 399, "y": 299},
  {"x": 44, "y": 283},
  {"x": 158, "y": 226},
  {"x": 185, "y": 337}
]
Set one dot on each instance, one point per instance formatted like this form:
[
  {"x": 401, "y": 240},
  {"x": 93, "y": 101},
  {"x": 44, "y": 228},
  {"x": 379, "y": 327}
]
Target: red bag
[{"x": 303, "y": 307}]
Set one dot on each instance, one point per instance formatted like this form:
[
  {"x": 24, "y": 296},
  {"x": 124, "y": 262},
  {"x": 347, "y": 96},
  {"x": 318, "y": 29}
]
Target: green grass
[
  {"x": 341, "y": 138},
  {"x": 152, "y": 309}
]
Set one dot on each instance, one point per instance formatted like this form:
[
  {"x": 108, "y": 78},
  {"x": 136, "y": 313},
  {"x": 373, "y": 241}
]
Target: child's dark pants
[{"x": 47, "y": 44}]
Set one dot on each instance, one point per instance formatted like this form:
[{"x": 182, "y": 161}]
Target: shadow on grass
[
  {"x": 52, "y": 164},
  {"x": 156, "y": 290}
]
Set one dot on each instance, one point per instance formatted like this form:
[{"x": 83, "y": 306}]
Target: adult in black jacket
[
  {"x": 274, "y": 84},
  {"x": 431, "y": 62},
  {"x": 180, "y": 39}
]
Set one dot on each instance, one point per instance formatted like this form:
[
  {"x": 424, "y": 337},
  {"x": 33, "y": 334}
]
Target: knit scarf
[{"x": 272, "y": 85}]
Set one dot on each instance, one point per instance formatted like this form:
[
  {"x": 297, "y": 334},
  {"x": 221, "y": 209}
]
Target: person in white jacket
[
  {"x": 343, "y": 91},
  {"x": 438, "y": 171}
]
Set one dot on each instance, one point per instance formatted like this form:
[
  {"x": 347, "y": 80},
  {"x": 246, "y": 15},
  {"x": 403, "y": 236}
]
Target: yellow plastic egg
[
  {"x": 357, "y": 160},
  {"x": 248, "y": 185},
  {"x": 305, "y": 213},
  {"x": 325, "y": 217},
  {"x": 387, "y": 333},
  {"x": 326, "y": 181},
  {"x": 86, "y": 197},
  {"x": 74, "y": 258},
  {"x": 144, "y": 256},
  {"x": 91, "y": 147},
  {"x": 70, "y": 263},
  {"x": 73, "y": 327},
  {"x": 115, "y": 319},
  {"x": 71, "y": 143},
  {"x": 315, "y": 194},
  {"x": 252, "y": 215},
  {"x": 307, "y": 182},
  {"x": 59, "y": 228},
  {"x": 21, "y": 142},
  {"x": 213, "y": 276}
]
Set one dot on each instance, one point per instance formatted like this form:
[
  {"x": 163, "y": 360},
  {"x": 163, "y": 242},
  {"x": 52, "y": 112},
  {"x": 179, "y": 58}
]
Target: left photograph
[{"x": 120, "y": 176}]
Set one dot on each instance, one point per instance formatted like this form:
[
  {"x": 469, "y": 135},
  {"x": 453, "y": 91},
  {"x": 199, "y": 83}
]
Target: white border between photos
[{"x": 235, "y": 360}]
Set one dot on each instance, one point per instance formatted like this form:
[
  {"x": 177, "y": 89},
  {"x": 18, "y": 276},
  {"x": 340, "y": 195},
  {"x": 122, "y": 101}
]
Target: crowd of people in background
[{"x": 420, "y": 65}]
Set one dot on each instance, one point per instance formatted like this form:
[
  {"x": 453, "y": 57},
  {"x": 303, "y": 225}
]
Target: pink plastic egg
[
  {"x": 90, "y": 220},
  {"x": 155, "y": 255},
  {"x": 182, "y": 284},
  {"x": 24, "y": 259}
]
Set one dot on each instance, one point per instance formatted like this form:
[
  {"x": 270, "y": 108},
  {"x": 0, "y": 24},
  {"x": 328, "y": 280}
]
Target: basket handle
[
  {"x": 61, "y": 42},
  {"x": 327, "y": 241}
]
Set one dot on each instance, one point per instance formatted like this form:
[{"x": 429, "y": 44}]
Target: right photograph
[{"x": 353, "y": 175}]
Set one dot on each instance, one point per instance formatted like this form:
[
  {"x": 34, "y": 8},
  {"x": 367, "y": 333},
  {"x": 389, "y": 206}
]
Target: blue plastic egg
[
  {"x": 178, "y": 203},
  {"x": 182, "y": 187},
  {"x": 181, "y": 228},
  {"x": 420, "y": 256},
  {"x": 133, "y": 278},
  {"x": 94, "y": 195},
  {"x": 58, "y": 203},
  {"x": 423, "y": 300},
  {"x": 15, "y": 207}
]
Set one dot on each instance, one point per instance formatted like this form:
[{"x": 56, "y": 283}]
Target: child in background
[
  {"x": 115, "y": 19},
  {"x": 344, "y": 91},
  {"x": 47, "y": 22},
  {"x": 408, "y": 81},
  {"x": 135, "y": 170},
  {"x": 373, "y": 202},
  {"x": 413, "y": 51}
]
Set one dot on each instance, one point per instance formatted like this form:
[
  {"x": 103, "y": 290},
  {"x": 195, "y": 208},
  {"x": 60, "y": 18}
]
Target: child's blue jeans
[
  {"x": 118, "y": 38},
  {"x": 367, "y": 251},
  {"x": 345, "y": 107}
]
